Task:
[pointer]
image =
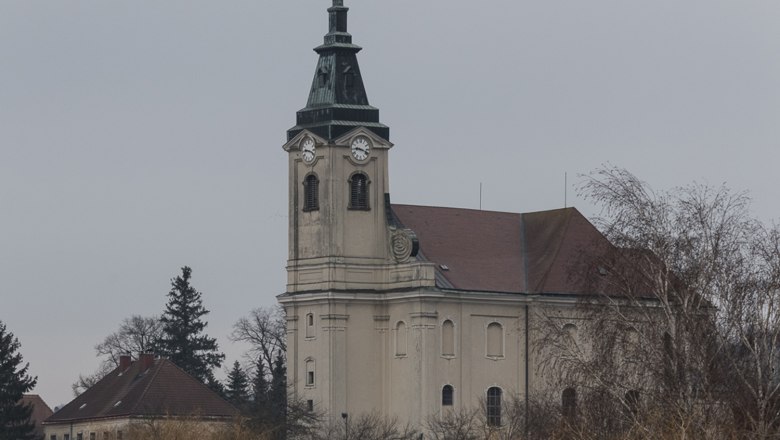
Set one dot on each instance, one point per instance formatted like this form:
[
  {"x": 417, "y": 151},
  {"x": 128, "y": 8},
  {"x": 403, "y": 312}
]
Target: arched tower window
[
  {"x": 448, "y": 338},
  {"x": 447, "y": 395},
  {"x": 310, "y": 372},
  {"x": 400, "y": 339},
  {"x": 358, "y": 192},
  {"x": 494, "y": 406},
  {"x": 310, "y": 330},
  {"x": 569, "y": 402},
  {"x": 495, "y": 340},
  {"x": 311, "y": 193}
]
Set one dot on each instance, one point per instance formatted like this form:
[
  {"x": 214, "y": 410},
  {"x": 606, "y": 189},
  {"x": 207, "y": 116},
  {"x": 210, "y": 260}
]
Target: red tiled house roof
[
  {"x": 161, "y": 390},
  {"x": 40, "y": 411},
  {"x": 547, "y": 252}
]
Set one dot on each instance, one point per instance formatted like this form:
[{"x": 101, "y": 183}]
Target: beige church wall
[
  {"x": 334, "y": 230},
  {"x": 545, "y": 380},
  {"x": 359, "y": 369}
]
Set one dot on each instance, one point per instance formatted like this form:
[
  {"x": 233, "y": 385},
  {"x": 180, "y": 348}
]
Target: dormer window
[
  {"x": 311, "y": 196},
  {"x": 322, "y": 76},
  {"x": 358, "y": 192},
  {"x": 349, "y": 77}
]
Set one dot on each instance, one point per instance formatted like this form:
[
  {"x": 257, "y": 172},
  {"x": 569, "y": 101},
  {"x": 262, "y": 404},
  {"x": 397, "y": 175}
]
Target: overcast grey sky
[{"x": 140, "y": 136}]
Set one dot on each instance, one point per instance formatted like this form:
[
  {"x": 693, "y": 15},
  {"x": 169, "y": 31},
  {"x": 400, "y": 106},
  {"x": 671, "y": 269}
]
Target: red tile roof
[
  {"x": 551, "y": 252},
  {"x": 162, "y": 390},
  {"x": 40, "y": 411}
]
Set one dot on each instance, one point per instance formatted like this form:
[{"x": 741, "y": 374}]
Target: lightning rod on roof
[
  {"x": 565, "y": 189},
  {"x": 480, "y": 196}
]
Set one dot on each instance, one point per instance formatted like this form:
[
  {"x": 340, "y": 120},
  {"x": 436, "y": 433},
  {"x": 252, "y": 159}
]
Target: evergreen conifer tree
[
  {"x": 183, "y": 341},
  {"x": 237, "y": 389},
  {"x": 15, "y": 421},
  {"x": 277, "y": 392},
  {"x": 259, "y": 409}
]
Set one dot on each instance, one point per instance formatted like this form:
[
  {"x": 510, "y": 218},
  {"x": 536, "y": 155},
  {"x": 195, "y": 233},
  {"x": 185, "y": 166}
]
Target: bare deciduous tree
[
  {"x": 264, "y": 329},
  {"x": 136, "y": 335},
  {"x": 680, "y": 339}
]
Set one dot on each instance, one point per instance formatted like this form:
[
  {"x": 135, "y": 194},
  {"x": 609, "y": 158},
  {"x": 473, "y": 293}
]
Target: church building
[{"x": 402, "y": 310}]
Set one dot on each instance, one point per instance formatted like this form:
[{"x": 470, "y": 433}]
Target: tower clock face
[
  {"x": 308, "y": 150},
  {"x": 361, "y": 147}
]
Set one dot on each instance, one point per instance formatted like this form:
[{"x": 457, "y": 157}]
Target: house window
[
  {"x": 79, "y": 436},
  {"x": 400, "y": 339},
  {"x": 92, "y": 436},
  {"x": 494, "y": 406},
  {"x": 310, "y": 405},
  {"x": 106, "y": 436},
  {"x": 447, "y": 395},
  {"x": 66, "y": 436},
  {"x": 569, "y": 402},
  {"x": 310, "y": 325},
  {"x": 53, "y": 437},
  {"x": 311, "y": 193},
  {"x": 495, "y": 340},
  {"x": 358, "y": 192},
  {"x": 119, "y": 435},
  {"x": 310, "y": 372},
  {"x": 448, "y": 338}
]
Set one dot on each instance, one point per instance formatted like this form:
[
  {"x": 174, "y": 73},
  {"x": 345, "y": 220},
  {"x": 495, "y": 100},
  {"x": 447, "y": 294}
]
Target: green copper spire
[{"x": 337, "y": 101}]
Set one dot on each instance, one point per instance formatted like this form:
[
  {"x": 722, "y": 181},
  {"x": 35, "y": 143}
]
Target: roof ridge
[
  {"x": 557, "y": 251},
  {"x": 568, "y": 209}
]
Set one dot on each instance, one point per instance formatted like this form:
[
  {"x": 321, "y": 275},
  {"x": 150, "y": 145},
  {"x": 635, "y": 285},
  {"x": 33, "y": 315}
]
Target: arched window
[
  {"x": 322, "y": 76},
  {"x": 358, "y": 192},
  {"x": 447, "y": 395},
  {"x": 494, "y": 406},
  {"x": 495, "y": 340},
  {"x": 310, "y": 372},
  {"x": 632, "y": 401},
  {"x": 570, "y": 330},
  {"x": 668, "y": 346},
  {"x": 349, "y": 77},
  {"x": 400, "y": 339},
  {"x": 310, "y": 330},
  {"x": 569, "y": 340},
  {"x": 569, "y": 402},
  {"x": 311, "y": 193},
  {"x": 448, "y": 338}
]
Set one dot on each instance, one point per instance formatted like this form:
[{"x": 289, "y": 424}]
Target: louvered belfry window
[
  {"x": 311, "y": 193},
  {"x": 358, "y": 192}
]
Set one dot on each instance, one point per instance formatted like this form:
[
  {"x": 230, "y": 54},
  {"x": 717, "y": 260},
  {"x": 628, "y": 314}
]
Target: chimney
[
  {"x": 145, "y": 361},
  {"x": 124, "y": 362}
]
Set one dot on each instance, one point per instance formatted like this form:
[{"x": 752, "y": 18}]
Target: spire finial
[{"x": 338, "y": 2}]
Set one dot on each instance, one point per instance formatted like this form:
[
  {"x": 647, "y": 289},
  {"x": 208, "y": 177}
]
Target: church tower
[{"x": 346, "y": 249}]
